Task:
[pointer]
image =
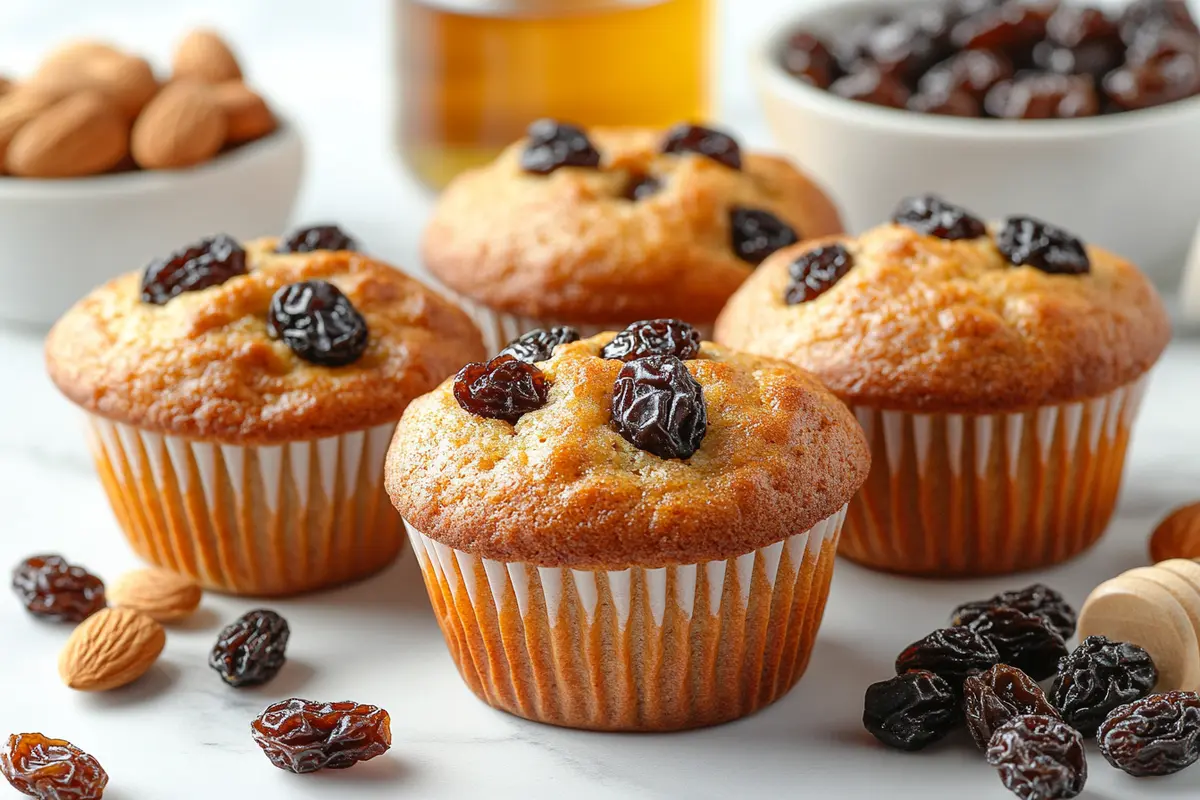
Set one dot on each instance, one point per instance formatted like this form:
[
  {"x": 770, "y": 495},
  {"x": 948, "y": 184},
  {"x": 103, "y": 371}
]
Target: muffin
[
  {"x": 240, "y": 401},
  {"x": 603, "y": 228},
  {"x": 997, "y": 373},
  {"x": 628, "y": 537}
]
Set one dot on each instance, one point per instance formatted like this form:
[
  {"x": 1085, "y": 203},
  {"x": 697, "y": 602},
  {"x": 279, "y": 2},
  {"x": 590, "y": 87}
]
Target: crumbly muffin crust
[
  {"x": 203, "y": 366},
  {"x": 562, "y": 488},
  {"x": 923, "y": 324},
  {"x": 569, "y": 246}
]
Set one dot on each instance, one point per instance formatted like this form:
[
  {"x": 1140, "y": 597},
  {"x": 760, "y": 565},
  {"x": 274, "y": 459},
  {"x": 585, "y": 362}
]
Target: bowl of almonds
[{"x": 106, "y": 161}]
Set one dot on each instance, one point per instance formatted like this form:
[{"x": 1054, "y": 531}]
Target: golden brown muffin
[{"x": 572, "y": 246}]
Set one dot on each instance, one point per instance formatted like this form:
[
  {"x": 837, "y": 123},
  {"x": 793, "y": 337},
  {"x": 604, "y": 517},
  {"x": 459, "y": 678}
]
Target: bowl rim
[
  {"x": 896, "y": 120},
  {"x": 286, "y": 135}
]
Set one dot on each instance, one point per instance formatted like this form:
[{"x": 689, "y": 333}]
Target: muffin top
[
  {"x": 938, "y": 312},
  {"x": 590, "y": 461},
  {"x": 250, "y": 346},
  {"x": 614, "y": 225}
]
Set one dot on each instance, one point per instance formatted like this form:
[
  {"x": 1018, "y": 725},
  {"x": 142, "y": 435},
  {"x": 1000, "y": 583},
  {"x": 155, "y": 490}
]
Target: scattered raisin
[
  {"x": 252, "y": 650},
  {"x": 51, "y": 588},
  {"x": 51, "y": 769},
  {"x": 303, "y": 736},
  {"x": 1029, "y": 241},
  {"x": 1099, "y": 676},
  {"x": 503, "y": 388},
  {"x": 929, "y": 215},
  {"x": 1157, "y": 735},
  {"x": 815, "y": 272},
  {"x": 1025, "y": 641},
  {"x": 1043, "y": 95},
  {"x": 971, "y": 71},
  {"x": 209, "y": 262},
  {"x": 657, "y": 406},
  {"x": 553, "y": 144},
  {"x": 654, "y": 337},
  {"x": 1039, "y": 758},
  {"x": 807, "y": 58},
  {"x": 316, "y": 237},
  {"x": 954, "y": 653},
  {"x": 999, "y": 695},
  {"x": 714, "y": 144},
  {"x": 539, "y": 343},
  {"x": 1038, "y": 599},
  {"x": 641, "y": 187},
  {"x": 756, "y": 234},
  {"x": 910, "y": 711},
  {"x": 867, "y": 84},
  {"x": 318, "y": 323}
]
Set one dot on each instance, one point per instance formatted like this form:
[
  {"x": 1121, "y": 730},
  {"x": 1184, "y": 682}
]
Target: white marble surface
[{"x": 180, "y": 734}]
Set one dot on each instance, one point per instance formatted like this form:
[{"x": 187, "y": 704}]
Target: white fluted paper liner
[
  {"x": 633, "y": 649},
  {"x": 956, "y": 494},
  {"x": 269, "y": 520}
]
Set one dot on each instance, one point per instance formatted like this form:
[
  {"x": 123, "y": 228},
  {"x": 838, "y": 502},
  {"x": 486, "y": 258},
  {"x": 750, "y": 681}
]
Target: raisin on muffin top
[
  {"x": 258, "y": 343},
  {"x": 606, "y": 224},
  {"x": 937, "y": 312},
  {"x": 586, "y": 470}
]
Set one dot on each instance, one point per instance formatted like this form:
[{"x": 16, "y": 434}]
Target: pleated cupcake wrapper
[
  {"x": 633, "y": 649},
  {"x": 269, "y": 520},
  {"x": 953, "y": 494}
]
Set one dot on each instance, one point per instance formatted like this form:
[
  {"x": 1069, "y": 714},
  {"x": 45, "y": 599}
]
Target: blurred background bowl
[
  {"x": 61, "y": 238},
  {"x": 1127, "y": 182}
]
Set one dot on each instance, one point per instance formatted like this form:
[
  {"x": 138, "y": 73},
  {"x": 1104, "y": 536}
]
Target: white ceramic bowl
[
  {"x": 1127, "y": 182},
  {"x": 61, "y": 238}
]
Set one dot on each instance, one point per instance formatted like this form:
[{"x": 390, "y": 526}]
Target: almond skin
[
  {"x": 204, "y": 56},
  {"x": 74, "y": 54},
  {"x": 84, "y": 134},
  {"x": 17, "y": 109},
  {"x": 111, "y": 648},
  {"x": 129, "y": 81},
  {"x": 6, "y": 86},
  {"x": 181, "y": 126},
  {"x": 1177, "y": 536},
  {"x": 247, "y": 113},
  {"x": 159, "y": 594}
]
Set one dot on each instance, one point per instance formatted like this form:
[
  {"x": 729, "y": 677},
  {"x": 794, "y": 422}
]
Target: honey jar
[{"x": 474, "y": 73}]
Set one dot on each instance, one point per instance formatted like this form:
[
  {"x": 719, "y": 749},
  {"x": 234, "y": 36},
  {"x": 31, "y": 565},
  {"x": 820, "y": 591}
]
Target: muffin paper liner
[
  {"x": 634, "y": 649},
  {"x": 963, "y": 495},
  {"x": 271, "y": 520}
]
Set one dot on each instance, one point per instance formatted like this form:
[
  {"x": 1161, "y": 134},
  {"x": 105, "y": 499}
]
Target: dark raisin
[
  {"x": 1094, "y": 59},
  {"x": 1144, "y": 16},
  {"x": 929, "y": 215},
  {"x": 947, "y": 103},
  {"x": 1039, "y": 758},
  {"x": 252, "y": 650},
  {"x": 641, "y": 187},
  {"x": 304, "y": 736},
  {"x": 316, "y": 237},
  {"x": 756, "y": 234},
  {"x": 868, "y": 84},
  {"x": 503, "y": 388},
  {"x": 51, "y": 588},
  {"x": 971, "y": 71},
  {"x": 901, "y": 49},
  {"x": 849, "y": 45},
  {"x": 1073, "y": 25},
  {"x": 1157, "y": 735},
  {"x": 806, "y": 57},
  {"x": 1159, "y": 45},
  {"x": 51, "y": 769},
  {"x": 1025, "y": 641},
  {"x": 954, "y": 653},
  {"x": 539, "y": 343},
  {"x": 209, "y": 262},
  {"x": 815, "y": 272},
  {"x": 911, "y": 711},
  {"x": 1029, "y": 241},
  {"x": 714, "y": 144},
  {"x": 1154, "y": 83},
  {"x": 1038, "y": 599},
  {"x": 654, "y": 337},
  {"x": 1044, "y": 95},
  {"x": 1010, "y": 26},
  {"x": 318, "y": 323},
  {"x": 999, "y": 695},
  {"x": 553, "y": 144},
  {"x": 657, "y": 406},
  {"x": 1098, "y": 677}
]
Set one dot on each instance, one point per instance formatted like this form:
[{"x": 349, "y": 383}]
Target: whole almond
[
  {"x": 246, "y": 112},
  {"x": 129, "y": 81},
  {"x": 204, "y": 56},
  {"x": 6, "y": 86},
  {"x": 181, "y": 126},
  {"x": 76, "y": 53},
  {"x": 1177, "y": 536},
  {"x": 111, "y": 648},
  {"x": 17, "y": 109},
  {"x": 159, "y": 594},
  {"x": 82, "y": 135}
]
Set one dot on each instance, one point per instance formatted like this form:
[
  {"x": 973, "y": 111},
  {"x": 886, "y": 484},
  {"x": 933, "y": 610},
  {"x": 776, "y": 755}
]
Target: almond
[
  {"x": 81, "y": 135},
  {"x": 17, "y": 109},
  {"x": 129, "y": 81},
  {"x": 75, "y": 54},
  {"x": 205, "y": 57},
  {"x": 1177, "y": 536},
  {"x": 246, "y": 112},
  {"x": 109, "y": 649},
  {"x": 6, "y": 86},
  {"x": 181, "y": 126},
  {"x": 159, "y": 594}
]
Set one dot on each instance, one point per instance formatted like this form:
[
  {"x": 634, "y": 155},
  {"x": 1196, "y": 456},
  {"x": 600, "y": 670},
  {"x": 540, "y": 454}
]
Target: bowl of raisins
[{"x": 1071, "y": 111}]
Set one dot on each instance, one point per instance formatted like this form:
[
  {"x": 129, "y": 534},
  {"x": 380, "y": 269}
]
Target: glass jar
[{"x": 474, "y": 73}]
